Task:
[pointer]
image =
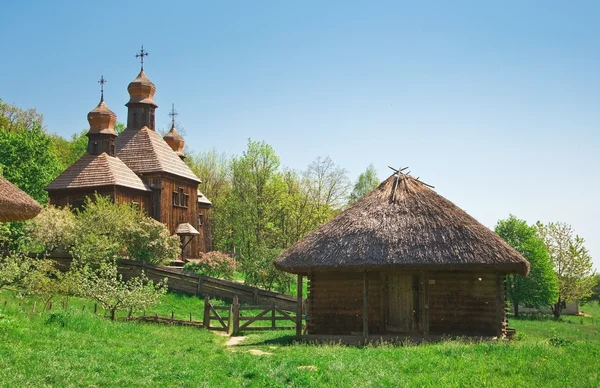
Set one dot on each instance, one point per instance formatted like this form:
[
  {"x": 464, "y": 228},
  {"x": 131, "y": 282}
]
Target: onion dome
[
  {"x": 175, "y": 141},
  {"x": 102, "y": 120},
  {"x": 141, "y": 90}
]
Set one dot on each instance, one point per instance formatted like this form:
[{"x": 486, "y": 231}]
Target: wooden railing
[
  {"x": 246, "y": 318},
  {"x": 194, "y": 284}
]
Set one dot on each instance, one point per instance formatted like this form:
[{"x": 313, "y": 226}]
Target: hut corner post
[
  {"x": 425, "y": 303},
  {"x": 366, "y": 307},
  {"x": 500, "y": 306},
  {"x": 299, "y": 307}
]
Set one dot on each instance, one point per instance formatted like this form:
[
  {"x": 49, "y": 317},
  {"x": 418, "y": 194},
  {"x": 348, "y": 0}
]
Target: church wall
[{"x": 76, "y": 197}]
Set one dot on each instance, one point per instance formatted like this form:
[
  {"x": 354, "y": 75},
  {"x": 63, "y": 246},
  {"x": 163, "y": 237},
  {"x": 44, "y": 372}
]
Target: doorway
[{"x": 402, "y": 302}]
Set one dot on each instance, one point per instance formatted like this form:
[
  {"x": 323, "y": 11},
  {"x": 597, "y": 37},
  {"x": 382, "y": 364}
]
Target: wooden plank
[
  {"x": 269, "y": 328},
  {"x": 365, "y": 305},
  {"x": 219, "y": 318},
  {"x": 236, "y": 315},
  {"x": 253, "y": 319},
  {"x": 285, "y": 314},
  {"x": 499, "y": 307},
  {"x": 269, "y": 318},
  {"x": 299, "y": 305},
  {"x": 426, "y": 303},
  {"x": 207, "y": 312}
]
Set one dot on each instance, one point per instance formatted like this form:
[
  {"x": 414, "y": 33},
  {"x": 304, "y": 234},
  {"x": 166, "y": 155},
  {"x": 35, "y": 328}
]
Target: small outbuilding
[{"x": 403, "y": 261}]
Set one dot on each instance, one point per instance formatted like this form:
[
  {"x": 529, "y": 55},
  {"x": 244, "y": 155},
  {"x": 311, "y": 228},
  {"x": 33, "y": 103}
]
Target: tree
[
  {"x": 107, "y": 287},
  {"x": 367, "y": 181},
  {"x": 540, "y": 287},
  {"x": 572, "y": 263},
  {"x": 13, "y": 118},
  {"x": 214, "y": 170},
  {"x": 595, "y": 296},
  {"x": 28, "y": 161},
  {"x": 69, "y": 151}
]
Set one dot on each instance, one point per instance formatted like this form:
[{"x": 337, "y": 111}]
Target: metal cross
[
  {"x": 173, "y": 113},
  {"x": 102, "y": 82},
  {"x": 141, "y": 55}
]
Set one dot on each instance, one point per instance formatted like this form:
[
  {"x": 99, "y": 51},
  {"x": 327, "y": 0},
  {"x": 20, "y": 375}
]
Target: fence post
[
  {"x": 256, "y": 296},
  {"x": 273, "y": 315},
  {"x": 236, "y": 315},
  {"x": 200, "y": 285},
  {"x": 229, "y": 319},
  {"x": 95, "y": 308},
  {"x": 206, "y": 312}
]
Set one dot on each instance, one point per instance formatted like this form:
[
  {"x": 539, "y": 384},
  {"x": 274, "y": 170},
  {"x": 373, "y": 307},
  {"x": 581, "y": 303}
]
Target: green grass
[{"x": 76, "y": 348}]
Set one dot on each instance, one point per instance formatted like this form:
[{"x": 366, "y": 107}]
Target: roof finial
[
  {"x": 102, "y": 82},
  {"x": 173, "y": 113},
  {"x": 141, "y": 55}
]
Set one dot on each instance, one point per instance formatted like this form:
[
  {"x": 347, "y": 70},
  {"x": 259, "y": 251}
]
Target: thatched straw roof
[
  {"x": 414, "y": 229},
  {"x": 15, "y": 204}
]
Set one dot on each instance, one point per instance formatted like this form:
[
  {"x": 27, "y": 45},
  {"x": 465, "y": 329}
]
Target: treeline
[{"x": 261, "y": 208}]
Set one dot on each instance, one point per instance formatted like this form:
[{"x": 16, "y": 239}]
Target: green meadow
[{"x": 75, "y": 347}]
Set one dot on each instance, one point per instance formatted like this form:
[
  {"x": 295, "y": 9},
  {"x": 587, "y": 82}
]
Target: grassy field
[{"x": 77, "y": 348}]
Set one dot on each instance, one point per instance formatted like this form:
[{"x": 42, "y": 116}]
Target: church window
[
  {"x": 180, "y": 199},
  {"x": 200, "y": 219}
]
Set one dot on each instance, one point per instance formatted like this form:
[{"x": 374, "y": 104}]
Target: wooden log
[
  {"x": 365, "y": 312},
  {"x": 206, "y": 312},
  {"x": 273, "y": 316},
  {"x": 229, "y": 319},
  {"x": 499, "y": 307},
  {"x": 425, "y": 277},
  {"x": 299, "y": 306},
  {"x": 236, "y": 315}
]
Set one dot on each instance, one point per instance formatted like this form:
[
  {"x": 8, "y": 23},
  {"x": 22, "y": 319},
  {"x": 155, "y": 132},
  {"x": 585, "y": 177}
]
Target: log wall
[
  {"x": 336, "y": 303},
  {"x": 465, "y": 303}
]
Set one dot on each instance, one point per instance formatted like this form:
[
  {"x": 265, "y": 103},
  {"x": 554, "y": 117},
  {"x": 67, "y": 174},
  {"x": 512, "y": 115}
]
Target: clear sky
[{"x": 497, "y": 105}]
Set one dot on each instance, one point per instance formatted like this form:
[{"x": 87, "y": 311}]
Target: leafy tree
[
  {"x": 107, "y": 287},
  {"x": 595, "y": 296},
  {"x": 28, "y": 161},
  {"x": 367, "y": 181},
  {"x": 540, "y": 287},
  {"x": 13, "y": 118},
  {"x": 69, "y": 151},
  {"x": 214, "y": 170},
  {"x": 572, "y": 263}
]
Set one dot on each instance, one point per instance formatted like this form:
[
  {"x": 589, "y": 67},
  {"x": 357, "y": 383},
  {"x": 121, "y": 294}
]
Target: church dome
[
  {"x": 141, "y": 90},
  {"x": 175, "y": 141},
  {"x": 102, "y": 120}
]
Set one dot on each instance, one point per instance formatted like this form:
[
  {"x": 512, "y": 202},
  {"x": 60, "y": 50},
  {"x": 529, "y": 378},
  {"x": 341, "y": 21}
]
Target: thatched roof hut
[
  {"x": 15, "y": 204},
  {"x": 412, "y": 251}
]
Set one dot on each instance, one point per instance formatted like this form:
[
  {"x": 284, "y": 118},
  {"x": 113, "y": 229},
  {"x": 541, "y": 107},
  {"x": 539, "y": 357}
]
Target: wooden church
[{"x": 139, "y": 167}]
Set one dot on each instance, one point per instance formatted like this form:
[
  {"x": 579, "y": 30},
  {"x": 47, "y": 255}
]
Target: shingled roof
[
  {"x": 402, "y": 225},
  {"x": 144, "y": 151},
  {"x": 96, "y": 171}
]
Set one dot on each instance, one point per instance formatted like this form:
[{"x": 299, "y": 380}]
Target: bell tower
[
  {"x": 141, "y": 105},
  {"x": 102, "y": 134}
]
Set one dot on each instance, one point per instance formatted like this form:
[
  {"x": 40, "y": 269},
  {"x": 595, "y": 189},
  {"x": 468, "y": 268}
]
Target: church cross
[
  {"x": 173, "y": 113},
  {"x": 102, "y": 82},
  {"x": 141, "y": 55}
]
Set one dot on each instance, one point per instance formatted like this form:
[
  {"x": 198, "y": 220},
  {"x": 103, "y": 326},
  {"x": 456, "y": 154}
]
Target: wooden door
[{"x": 400, "y": 316}]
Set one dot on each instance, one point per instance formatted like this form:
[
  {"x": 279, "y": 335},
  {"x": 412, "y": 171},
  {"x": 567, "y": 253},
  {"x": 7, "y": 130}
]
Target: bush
[
  {"x": 102, "y": 233},
  {"x": 260, "y": 271},
  {"x": 52, "y": 230},
  {"x": 107, "y": 287},
  {"x": 215, "y": 264}
]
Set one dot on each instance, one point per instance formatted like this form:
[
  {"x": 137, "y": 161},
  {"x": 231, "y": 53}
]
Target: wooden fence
[
  {"x": 234, "y": 318},
  {"x": 194, "y": 284}
]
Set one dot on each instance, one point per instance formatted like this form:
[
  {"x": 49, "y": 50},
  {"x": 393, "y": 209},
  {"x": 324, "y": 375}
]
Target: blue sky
[{"x": 497, "y": 105}]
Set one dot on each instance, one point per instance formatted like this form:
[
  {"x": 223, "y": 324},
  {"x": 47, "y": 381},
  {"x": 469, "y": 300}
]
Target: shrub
[
  {"x": 214, "y": 264},
  {"x": 52, "y": 230},
  {"x": 108, "y": 288}
]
